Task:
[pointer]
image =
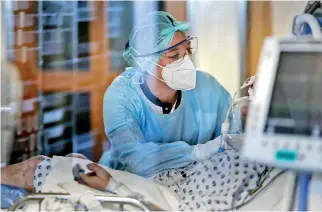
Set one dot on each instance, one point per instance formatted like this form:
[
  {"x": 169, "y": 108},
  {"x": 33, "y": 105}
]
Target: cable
[
  {"x": 311, "y": 21},
  {"x": 226, "y": 125},
  {"x": 289, "y": 192},
  {"x": 291, "y": 206},
  {"x": 312, "y": 7},
  {"x": 304, "y": 181},
  {"x": 258, "y": 192},
  {"x": 234, "y": 118}
]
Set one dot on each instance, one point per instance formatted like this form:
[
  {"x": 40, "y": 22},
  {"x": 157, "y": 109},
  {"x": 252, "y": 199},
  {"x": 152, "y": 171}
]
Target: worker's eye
[{"x": 174, "y": 57}]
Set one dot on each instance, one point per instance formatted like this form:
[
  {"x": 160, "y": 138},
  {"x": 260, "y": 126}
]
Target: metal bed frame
[{"x": 104, "y": 199}]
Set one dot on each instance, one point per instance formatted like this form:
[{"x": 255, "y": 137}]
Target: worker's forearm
[{"x": 161, "y": 157}]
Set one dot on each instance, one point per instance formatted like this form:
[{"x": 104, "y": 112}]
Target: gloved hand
[
  {"x": 235, "y": 141},
  {"x": 250, "y": 82},
  {"x": 203, "y": 151}
]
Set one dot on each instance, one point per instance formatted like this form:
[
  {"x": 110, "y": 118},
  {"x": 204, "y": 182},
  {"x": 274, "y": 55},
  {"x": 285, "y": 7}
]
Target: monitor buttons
[
  {"x": 301, "y": 157},
  {"x": 264, "y": 143},
  {"x": 275, "y": 145},
  {"x": 297, "y": 146},
  {"x": 309, "y": 147},
  {"x": 286, "y": 145}
]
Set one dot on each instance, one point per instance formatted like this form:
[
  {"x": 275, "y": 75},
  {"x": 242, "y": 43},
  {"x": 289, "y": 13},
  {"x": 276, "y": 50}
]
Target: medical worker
[{"x": 161, "y": 107}]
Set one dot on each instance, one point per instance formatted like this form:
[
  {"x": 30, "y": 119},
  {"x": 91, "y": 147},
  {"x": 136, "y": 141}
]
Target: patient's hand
[
  {"x": 97, "y": 179},
  {"x": 21, "y": 174}
]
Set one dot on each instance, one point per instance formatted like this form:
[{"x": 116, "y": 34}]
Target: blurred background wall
[
  {"x": 283, "y": 13},
  {"x": 218, "y": 50}
]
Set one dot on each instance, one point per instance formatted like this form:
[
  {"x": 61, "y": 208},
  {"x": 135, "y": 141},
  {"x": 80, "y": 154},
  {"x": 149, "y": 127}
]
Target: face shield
[
  {"x": 151, "y": 38},
  {"x": 176, "y": 53}
]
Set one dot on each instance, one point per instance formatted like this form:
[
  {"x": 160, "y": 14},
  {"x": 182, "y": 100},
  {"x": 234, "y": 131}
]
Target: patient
[{"x": 221, "y": 182}]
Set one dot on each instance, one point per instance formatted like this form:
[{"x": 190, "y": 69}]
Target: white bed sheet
[
  {"x": 151, "y": 191},
  {"x": 272, "y": 197}
]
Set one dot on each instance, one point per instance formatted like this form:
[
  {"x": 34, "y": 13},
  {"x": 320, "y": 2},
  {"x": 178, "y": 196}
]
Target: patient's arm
[
  {"x": 97, "y": 179},
  {"x": 21, "y": 174}
]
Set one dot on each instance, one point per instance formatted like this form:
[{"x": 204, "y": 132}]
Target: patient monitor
[{"x": 284, "y": 126}]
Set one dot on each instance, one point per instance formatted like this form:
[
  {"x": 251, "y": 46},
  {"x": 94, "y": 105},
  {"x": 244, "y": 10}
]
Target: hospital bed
[
  {"x": 129, "y": 192},
  {"x": 147, "y": 196},
  {"x": 120, "y": 203},
  {"x": 271, "y": 197}
]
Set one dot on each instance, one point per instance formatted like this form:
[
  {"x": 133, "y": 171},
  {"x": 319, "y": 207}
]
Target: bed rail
[{"x": 103, "y": 199}]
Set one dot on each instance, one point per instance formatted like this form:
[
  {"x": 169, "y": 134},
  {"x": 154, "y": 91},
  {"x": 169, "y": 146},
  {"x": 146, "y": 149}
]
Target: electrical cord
[
  {"x": 312, "y": 7},
  {"x": 264, "y": 188},
  {"x": 225, "y": 126},
  {"x": 289, "y": 192}
]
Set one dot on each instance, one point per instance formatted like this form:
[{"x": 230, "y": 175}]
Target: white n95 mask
[{"x": 180, "y": 76}]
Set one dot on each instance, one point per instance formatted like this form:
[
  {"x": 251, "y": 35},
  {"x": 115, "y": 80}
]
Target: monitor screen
[{"x": 296, "y": 101}]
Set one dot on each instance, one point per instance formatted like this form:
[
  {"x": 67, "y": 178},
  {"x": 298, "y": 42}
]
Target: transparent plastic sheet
[
  {"x": 236, "y": 117},
  {"x": 9, "y": 194}
]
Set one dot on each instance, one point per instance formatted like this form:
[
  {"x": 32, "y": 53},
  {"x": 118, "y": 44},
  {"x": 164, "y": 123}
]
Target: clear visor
[
  {"x": 178, "y": 52},
  {"x": 186, "y": 47}
]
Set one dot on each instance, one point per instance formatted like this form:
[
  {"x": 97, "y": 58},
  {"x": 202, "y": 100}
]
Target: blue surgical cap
[{"x": 150, "y": 35}]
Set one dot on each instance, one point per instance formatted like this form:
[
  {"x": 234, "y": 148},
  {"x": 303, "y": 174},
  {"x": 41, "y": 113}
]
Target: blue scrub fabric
[{"x": 144, "y": 142}]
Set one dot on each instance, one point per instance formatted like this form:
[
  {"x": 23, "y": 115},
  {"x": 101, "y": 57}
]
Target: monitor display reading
[{"x": 296, "y": 101}]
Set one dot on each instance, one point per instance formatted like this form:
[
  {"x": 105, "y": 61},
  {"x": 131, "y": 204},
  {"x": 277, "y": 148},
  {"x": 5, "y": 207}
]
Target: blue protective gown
[{"x": 145, "y": 142}]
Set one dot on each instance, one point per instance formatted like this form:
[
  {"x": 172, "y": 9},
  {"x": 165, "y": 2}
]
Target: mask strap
[
  {"x": 138, "y": 78},
  {"x": 147, "y": 70}
]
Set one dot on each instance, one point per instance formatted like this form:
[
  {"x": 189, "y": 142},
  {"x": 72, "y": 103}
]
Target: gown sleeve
[{"x": 129, "y": 149}]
